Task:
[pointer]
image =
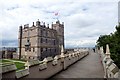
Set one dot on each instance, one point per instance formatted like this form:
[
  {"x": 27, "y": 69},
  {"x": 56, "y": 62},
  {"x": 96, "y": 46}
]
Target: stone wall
[
  {"x": 110, "y": 69},
  {"x": 48, "y": 67},
  {"x": 8, "y": 70}
]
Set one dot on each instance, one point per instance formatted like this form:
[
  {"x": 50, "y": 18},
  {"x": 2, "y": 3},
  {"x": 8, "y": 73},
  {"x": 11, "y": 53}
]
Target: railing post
[
  {"x": 107, "y": 56},
  {"x": 27, "y": 65}
]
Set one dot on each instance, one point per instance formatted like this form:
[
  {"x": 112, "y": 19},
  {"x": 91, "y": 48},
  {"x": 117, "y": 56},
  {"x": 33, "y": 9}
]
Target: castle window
[
  {"x": 44, "y": 49},
  {"x": 29, "y": 49},
  {"x": 41, "y": 49},
  {"x": 41, "y": 32},
  {"x": 55, "y": 50},
  {"x": 41, "y": 40},
  {"x": 46, "y": 40},
  {"x": 33, "y": 49},
  {"x": 46, "y": 33},
  {"x": 25, "y": 49},
  {"x": 54, "y": 42}
]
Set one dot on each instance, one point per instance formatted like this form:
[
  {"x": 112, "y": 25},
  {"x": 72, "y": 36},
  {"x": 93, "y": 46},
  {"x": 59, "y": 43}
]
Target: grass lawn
[
  {"x": 19, "y": 65},
  {"x": 19, "y": 60}
]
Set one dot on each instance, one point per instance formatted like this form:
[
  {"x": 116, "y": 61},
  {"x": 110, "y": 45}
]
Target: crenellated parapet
[
  {"x": 48, "y": 66},
  {"x": 110, "y": 68}
]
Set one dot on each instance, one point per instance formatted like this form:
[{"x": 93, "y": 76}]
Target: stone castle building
[{"x": 40, "y": 41}]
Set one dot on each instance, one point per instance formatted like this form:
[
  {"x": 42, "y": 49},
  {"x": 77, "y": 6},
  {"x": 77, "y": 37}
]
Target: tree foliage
[{"x": 113, "y": 40}]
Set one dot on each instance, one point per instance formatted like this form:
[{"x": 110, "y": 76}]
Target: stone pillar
[
  {"x": 27, "y": 65},
  {"x": 45, "y": 62},
  {"x": 102, "y": 52},
  {"x": 107, "y": 52},
  {"x": 62, "y": 53},
  {"x": 107, "y": 57},
  {"x": 101, "y": 49}
]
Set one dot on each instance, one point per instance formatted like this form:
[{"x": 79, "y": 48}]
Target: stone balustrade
[
  {"x": 49, "y": 66},
  {"x": 110, "y": 69}
]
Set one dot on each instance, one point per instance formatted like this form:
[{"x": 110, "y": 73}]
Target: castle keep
[{"x": 40, "y": 41}]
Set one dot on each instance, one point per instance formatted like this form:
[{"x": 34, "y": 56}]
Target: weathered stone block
[
  {"x": 43, "y": 66},
  {"x": 8, "y": 67},
  {"x": 55, "y": 62},
  {"x": 22, "y": 73},
  {"x": 4, "y": 69},
  {"x": 109, "y": 62},
  {"x": 18, "y": 74},
  {"x": 25, "y": 72},
  {"x": 33, "y": 62},
  {"x": 12, "y": 67},
  {"x": 49, "y": 59}
]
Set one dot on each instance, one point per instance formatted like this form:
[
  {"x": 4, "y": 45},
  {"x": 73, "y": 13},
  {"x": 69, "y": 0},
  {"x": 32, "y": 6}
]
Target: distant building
[
  {"x": 40, "y": 41},
  {"x": 8, "y": 52}
]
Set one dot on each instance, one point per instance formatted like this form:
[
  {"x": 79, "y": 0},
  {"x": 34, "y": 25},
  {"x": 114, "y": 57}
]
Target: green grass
[
  {"x": 19, "y": 65},
  {"x": 19, "y": 60}
]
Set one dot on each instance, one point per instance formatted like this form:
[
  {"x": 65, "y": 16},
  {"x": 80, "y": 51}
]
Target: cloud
[{"x": 84, "y": 20}]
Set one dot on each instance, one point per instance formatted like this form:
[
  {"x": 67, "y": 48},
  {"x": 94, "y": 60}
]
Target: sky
[{"x": 85, "y": 20}]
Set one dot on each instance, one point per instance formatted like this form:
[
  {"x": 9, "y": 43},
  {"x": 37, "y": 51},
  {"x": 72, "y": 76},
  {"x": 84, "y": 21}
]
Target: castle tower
[
  {"x": 40, "y": 41},
  {"x": 60, "y": 33}
]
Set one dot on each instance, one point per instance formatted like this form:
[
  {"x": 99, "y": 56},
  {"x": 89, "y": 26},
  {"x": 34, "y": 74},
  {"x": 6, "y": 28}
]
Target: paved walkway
[{"x": 88, "y": 67}]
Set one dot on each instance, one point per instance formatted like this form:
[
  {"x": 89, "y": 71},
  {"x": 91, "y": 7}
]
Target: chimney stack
[{"x": 38, "y": 23}]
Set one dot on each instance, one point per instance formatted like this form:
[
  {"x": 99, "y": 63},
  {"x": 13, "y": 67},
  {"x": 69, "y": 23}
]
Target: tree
[{"x": 114, "y": 42}]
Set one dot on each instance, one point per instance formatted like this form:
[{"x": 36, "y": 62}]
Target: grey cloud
[
  {"x": 83, "y": 21},
  {"x": 12, "y": 8},
  {"x": 9, "y": 43}
]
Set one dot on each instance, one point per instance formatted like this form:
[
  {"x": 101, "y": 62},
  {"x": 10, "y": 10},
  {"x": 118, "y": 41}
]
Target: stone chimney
[
  {"x": 52, "y": 25},
  {"x": 26, "y": 26},
  {"x": 47, "y": 25},
  {"x": 33, "y": 24},
  {"x": 38, "y": 23},
  {"x": 43, "y": 24}
]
